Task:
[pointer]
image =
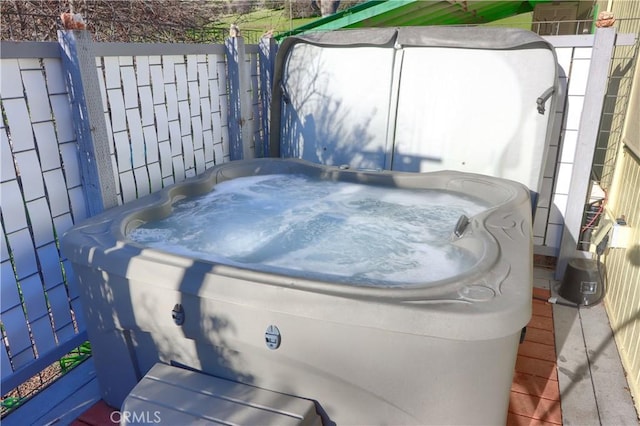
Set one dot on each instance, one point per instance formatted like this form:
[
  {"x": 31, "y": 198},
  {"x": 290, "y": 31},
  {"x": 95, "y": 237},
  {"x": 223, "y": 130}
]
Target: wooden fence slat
[
  {"x": 50, "y": 265},
  {"x": 33, "y": 296},
  {"x": 40, "y": 219},
  {"x": 47, "y": 145},
  {"x": 5, "y": 364},
  {"x": 150, "y": 144},
  {"x": 184, "y": 115},
  {"x": 143, "y": 76},
  {"x": 62, "y": 224},
  {"x": 117, "y": 108},
  {"x": 63, "y": 117},
  {"x": 20, "y": 122},
  {"x": 17, "y": 334},
  {"x": 136, "y": 138},
  {"x": 129, "y": 87},
  {"x": 59, "y": 306},
  {"x": 43, "y": 335},
  {"x": 155, "y": 177},
  {"x": 146, "y": 105},
  {"x": 57, "y": 193},
  {"x": 8, "y": 78},
  {"x": 24, "y": 256},
  {"x": 30, "y": 174},
  {"x": 187, "y": 152},
  {"x": 34, "y": 87},
  {"x": 178, "y": 169},
  {"x": 9, "y": 288},
  {"x": 142, "y": 181},
  {"x": 162, "y": 123},
  {"x": 164, "y": 147},
  {"x": 207, "y": 140},
  {"x": 7, "y": 170},
  {"x": 171, "y": 96},
  {"x": 123, "y": 153},
  {"x": 128, "y": 184},
  {"x": 175, "y": 138},
  {"x": 182, "y": 90},
  {"x": 77, "y": 200},
  {"x": 112, "y": 72},
  {"x": 13, "y": 212},
  {"x": 194, "y": 98},
  {"x": 55, "y": 77},
  {"x": 157, "y": 83}
]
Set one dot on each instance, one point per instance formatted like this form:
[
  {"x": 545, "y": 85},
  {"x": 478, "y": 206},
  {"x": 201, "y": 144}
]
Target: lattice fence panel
[
  {"x": 41, "y": 198},
  {"x": 166, "y": 117}
]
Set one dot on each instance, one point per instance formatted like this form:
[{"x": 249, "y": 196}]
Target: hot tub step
[{"x": 171, "y": 395}]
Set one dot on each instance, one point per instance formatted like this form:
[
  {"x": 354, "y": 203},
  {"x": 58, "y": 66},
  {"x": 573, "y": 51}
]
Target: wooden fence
[{"x": 161, "y": 113}]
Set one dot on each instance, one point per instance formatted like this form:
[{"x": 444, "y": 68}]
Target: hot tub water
[{"x": 320, "y": 229}]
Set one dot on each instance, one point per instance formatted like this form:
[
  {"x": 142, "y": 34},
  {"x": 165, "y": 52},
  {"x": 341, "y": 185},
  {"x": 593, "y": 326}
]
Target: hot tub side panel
[{"x": 355, "y": 373}]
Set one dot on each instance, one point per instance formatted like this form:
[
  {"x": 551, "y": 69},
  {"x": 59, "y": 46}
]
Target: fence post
[
  {"x": 79, "y": 63},
  {"x": 587, "y": 137},
  {"x": 240, "y": 122},
  {"x": 267, "y": 48}
]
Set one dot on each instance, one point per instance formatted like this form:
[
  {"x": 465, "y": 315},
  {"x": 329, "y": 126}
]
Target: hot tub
[{"x": 375, "y": 349}]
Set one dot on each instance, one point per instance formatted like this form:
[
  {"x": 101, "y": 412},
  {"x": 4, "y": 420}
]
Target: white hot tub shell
[{"x": 438, "y": 352}]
